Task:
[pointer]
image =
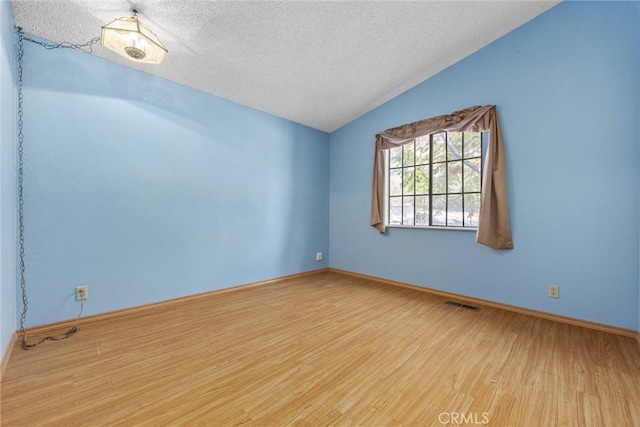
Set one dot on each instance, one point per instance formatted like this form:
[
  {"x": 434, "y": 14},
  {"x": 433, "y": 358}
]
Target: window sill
[{"x": 426, "y": 227}]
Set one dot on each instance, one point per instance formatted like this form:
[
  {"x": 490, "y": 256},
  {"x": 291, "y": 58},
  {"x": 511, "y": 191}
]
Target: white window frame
[{"x": 484, "y": 138}]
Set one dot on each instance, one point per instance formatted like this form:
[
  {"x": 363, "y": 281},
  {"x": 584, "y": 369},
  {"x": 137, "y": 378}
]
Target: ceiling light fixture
[{"x": 132, "y": 39}]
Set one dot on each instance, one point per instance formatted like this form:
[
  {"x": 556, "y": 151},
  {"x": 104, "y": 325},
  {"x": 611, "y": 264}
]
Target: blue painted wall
[
  {"x": 147, "y": 190},
  {"x": 7, "y": 174},
  {"x": 637, "y": 6},
  {"x": 566, "y": 86}
]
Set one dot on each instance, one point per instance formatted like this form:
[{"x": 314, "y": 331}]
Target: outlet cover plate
[{"x": 82, "y": 293}]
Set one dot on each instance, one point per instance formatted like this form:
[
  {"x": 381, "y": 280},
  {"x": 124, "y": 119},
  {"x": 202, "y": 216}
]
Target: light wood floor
[{"x": 325, "y": 349}]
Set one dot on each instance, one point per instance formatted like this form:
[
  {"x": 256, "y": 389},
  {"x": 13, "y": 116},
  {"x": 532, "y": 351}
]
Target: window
[{"x": 435, "y": 181}]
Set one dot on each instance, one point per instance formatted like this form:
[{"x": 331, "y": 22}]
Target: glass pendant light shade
[{"x": 132, "y": 39}]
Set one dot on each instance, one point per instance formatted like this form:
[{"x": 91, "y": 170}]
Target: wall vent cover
[{"x": 461, "y": 305}]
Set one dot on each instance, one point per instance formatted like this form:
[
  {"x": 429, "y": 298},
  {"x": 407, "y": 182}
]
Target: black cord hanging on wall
[{"x": 86, "y": 47}]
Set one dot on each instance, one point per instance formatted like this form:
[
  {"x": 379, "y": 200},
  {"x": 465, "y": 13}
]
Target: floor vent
[{"x": 465, "y": 306}]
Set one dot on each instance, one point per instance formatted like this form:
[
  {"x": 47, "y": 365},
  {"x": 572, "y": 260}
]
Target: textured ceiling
[{"x": 318, "y": 63}]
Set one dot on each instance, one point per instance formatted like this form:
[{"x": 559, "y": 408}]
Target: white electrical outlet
[
  {"x": 82, "y": 292},
  {"x": 554, "y": 291},
  {"x": 319, "y": 256}
]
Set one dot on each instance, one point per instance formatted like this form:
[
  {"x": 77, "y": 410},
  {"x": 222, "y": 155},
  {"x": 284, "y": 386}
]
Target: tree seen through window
[{"x": 436, "y": 181}]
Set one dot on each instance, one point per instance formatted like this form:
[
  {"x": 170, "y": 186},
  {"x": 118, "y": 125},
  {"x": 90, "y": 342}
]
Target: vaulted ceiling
[{"x": 319, "y": 63}]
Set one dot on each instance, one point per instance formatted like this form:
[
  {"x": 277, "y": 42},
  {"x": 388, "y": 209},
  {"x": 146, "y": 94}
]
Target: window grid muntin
[{"x": 415, "y": 164}]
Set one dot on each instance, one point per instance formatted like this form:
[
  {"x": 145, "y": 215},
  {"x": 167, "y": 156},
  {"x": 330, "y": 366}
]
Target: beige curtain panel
[{"x": 494, "y": 229}]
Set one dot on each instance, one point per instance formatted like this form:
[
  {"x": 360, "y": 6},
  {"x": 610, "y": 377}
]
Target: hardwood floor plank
[
  {"x": 324, "y": 349},
  {"x": 506, "y": 307}
]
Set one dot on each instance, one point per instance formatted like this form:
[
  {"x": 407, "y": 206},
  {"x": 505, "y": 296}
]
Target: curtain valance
[{"x": 494, "y": 229}]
